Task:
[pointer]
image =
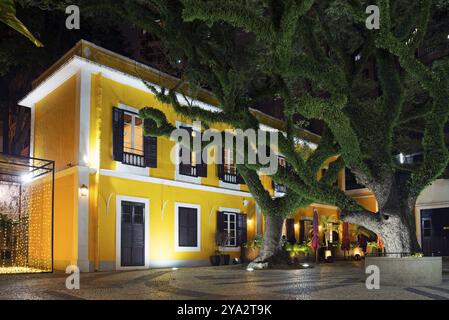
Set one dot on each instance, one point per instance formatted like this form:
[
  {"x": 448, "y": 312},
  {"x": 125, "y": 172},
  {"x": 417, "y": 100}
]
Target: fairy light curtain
[{"x": 26, "y": 215}]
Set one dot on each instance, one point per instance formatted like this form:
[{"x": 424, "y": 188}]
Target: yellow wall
[
  {"x": 55, "y": 136},
  {"x": 162, "y": 224},
  {"x": 65, "y": 219},
  {"x": 107, "y": 94}
]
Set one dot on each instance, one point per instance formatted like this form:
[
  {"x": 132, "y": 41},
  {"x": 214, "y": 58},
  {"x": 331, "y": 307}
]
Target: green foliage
[
  {"x": 255, "y": 243},
  {"x": 8, "y": 16},
  {"x": 300, "y": 56},
  {"x": 297, "y": 248}
]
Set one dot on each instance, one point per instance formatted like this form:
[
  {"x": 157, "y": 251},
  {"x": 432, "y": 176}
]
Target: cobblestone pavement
[{"x": 342, "y": 280}]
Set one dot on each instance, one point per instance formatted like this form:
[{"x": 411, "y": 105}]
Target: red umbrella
[
  {"x": 315, "y": 237},
  {"x": 380, "y": 243}
]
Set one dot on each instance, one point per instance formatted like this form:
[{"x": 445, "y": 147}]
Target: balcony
[
  {"x": 279, "y": 188},
  {"x": 188, "y": 170},
  {"x": 229, "y": 174},
  {"x": 133, "y": 159}
]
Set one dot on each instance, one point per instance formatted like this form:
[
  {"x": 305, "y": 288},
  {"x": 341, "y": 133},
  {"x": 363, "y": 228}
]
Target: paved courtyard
[{"x": 341, "y": 280}]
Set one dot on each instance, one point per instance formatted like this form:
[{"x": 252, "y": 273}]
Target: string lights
[{"x": 26, "y": 225}]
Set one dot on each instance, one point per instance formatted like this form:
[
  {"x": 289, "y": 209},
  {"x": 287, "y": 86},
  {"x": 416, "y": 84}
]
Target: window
[
  {"x": 230, "y": 228},
  {"x": 130, "y": 146},
  {"x": 187, "y": 227},
  {"x": 426, "y": 228},
  {"x": 194, "y": 167},
  {"x": 132, "y": 134},
  {"x": 282, "y": 162},
  {"x": 306, "y": 230},
  {"x": 227, "y": 171},
  {"x": 279, "y": 188},
  {"x": 228, "y": 161}
]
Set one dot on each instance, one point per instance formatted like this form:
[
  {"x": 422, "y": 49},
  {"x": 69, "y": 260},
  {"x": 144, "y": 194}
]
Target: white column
[{"x": 84, "y": 82}]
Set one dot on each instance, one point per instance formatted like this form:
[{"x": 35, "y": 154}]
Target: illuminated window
[
  {"x": 132, "y": 134},
  {"x": 228, "y": 161},
  {"x": 230, "y": 228}
]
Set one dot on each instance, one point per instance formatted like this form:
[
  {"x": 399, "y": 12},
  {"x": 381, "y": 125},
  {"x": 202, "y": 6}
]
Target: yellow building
[{"x": 120, "y": 202}]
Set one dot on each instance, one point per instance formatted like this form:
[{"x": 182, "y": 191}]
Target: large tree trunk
[
  {"x": 395, "y": 224},
  {"x": 271, "y": 250},
  {"x": 395, "y": 221}
]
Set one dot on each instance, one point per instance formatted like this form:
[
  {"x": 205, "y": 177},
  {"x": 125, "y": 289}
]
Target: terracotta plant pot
[{"x": 250, "y": 254}]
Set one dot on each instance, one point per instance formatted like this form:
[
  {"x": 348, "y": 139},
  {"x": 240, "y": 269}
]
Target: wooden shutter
[
  {"x": 193, "y": 228},
  {"x": 117, "y": 134},
  {"x": 188, "y": 227},
  {"x": 302, "y": 231},
  {"x": 241, "y": 229},
  {"x": 150, "y": 147},
  {"x": 201, "y": 170},
  {"x": 220, "y": 226},
  {"x": 220, "y": 166},
  {"x": 183, "y": 149},
  {"x": 290, "y": 228},
  {"x": 220, "y": 222}
]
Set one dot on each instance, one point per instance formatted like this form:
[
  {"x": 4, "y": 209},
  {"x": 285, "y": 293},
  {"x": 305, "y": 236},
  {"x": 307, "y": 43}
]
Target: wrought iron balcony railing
[
  {"x": 188, "y": 170},
  {"x": 279, "y": 188},
  {"x": 133, "y": 159},
  {"x": 229, "y": 174}
]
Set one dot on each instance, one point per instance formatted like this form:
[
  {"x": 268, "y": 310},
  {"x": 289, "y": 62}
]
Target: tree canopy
[{"x": 380, "y": 93}]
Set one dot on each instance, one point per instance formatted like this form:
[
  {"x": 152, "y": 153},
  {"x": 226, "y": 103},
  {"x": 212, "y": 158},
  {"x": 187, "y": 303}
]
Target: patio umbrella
[
  {"x": 345, "y": 245},
  {"x": 315, "y": 237},
  {"x": 380, "y": 243}
]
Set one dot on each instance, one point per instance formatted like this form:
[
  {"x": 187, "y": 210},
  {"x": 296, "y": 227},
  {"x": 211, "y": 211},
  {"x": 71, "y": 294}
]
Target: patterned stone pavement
[{"x": 341, "y": 280}]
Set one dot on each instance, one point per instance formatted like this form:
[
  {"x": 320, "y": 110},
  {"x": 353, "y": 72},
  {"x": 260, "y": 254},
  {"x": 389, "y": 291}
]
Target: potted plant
[
  {"x": 296, "y": 249},
  {"x": 372, "y": 248},
  {"x": 215, "y": 258},
  {"x": 250, "y": 250},
  {"x": 222, "y": 239}
]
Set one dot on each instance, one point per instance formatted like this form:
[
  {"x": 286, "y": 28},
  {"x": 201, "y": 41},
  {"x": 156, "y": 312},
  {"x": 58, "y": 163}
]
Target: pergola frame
[{"x": 13, "y": 169}]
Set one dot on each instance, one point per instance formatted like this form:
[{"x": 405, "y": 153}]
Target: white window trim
[
  {"x": 133, "y": 129},
  {"x": 125, "y": 168},
  {"x": 174, "y": 183},
  {"x": 118, "y": 230},
  {"x": 228, "y": 213},
  {"x": 198, "y": 235},
  {"x": 128, "y": 108},
  {"x": 236, "y": 211},
  {"x": 178, "y": 176},
  {"x": 227, "y": 185}
]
